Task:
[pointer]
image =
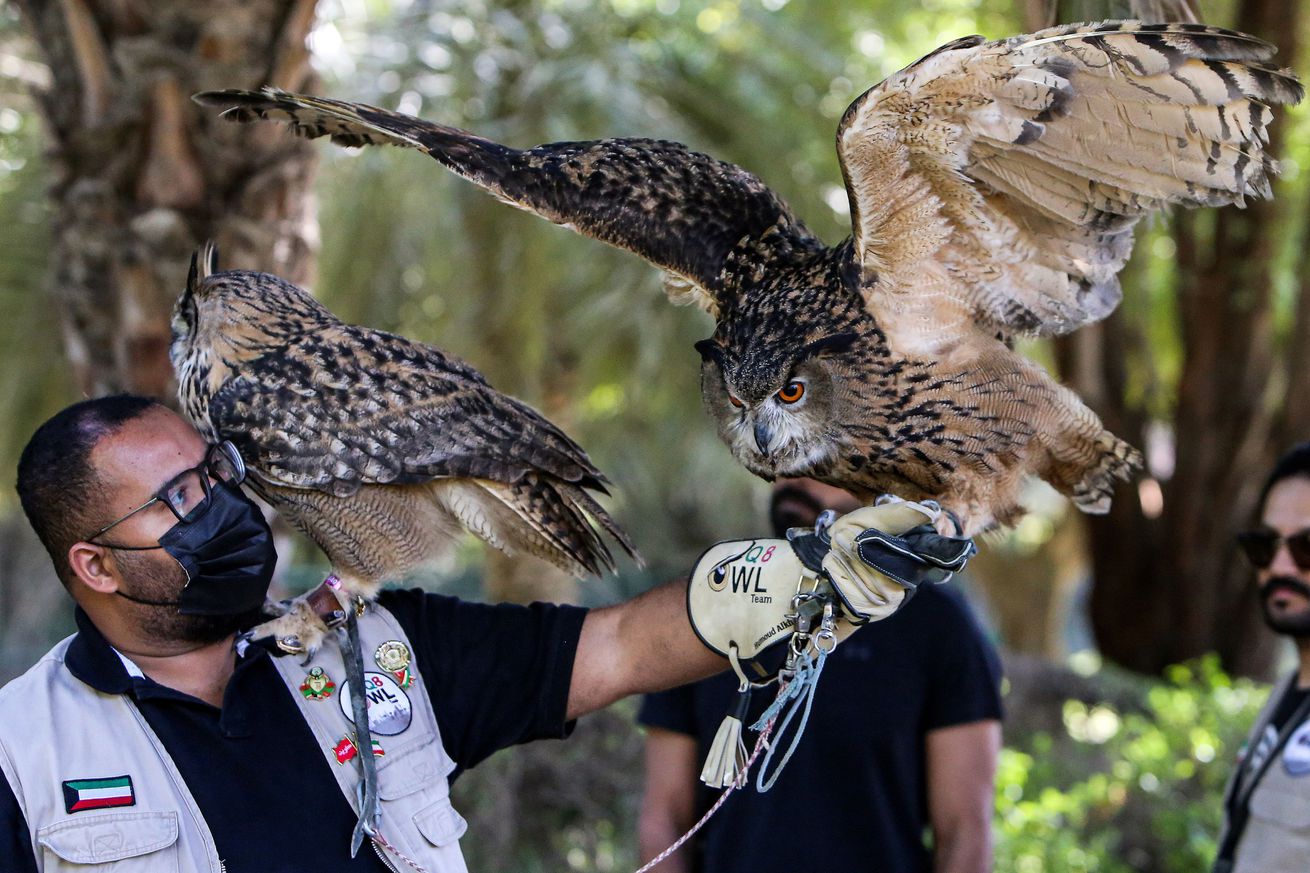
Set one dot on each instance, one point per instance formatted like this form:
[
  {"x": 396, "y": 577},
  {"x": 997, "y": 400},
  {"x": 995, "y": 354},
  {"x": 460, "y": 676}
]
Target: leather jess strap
[{"x": 323, "y": 601}]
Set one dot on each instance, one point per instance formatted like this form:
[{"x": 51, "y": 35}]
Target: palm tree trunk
[{"x": 142, "y": 174}]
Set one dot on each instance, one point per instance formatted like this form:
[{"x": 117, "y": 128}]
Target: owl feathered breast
[
  {"x": 994, "y": 188},
  {"x": 377, "y": 447}
]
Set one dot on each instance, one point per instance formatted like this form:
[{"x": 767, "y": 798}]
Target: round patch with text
[{"x": 389, "y": 709}]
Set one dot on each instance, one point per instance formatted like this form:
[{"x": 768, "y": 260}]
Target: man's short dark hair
[
  {"x": 1295, "y": 462},
  {"x": 57, "y": 485}
]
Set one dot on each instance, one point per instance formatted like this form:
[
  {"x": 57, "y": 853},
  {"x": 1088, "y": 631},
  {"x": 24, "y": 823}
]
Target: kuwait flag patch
[{"x": 80, "y": 794}]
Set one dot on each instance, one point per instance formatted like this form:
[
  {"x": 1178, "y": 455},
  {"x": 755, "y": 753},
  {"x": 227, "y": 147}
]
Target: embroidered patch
[
  {"x": 345, "y": 750},
  {"x": 80, "y": 794},
  {"x": 389, "y": 709},
  {"x": 1296, "y": 754}
]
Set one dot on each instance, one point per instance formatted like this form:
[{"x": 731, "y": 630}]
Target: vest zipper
[{"x": 383, "y": 857}]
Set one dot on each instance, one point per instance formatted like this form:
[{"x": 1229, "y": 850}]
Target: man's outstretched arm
[
  {"x": 871, "y": 558},
  {"x": 644, "y": 644}
]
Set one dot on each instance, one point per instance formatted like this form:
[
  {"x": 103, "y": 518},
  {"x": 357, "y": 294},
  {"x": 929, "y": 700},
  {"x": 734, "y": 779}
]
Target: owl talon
[{"x": 297, "y": 631}]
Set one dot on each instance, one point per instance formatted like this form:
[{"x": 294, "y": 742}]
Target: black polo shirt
[
  {"x": 496, "y": 675},
  {"x": 854, "y": 795}
]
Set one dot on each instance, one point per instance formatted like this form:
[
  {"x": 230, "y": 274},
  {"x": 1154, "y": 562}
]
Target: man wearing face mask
[
  {"x": 156, "y": 738},
  {"x": 1267, "y": 803}
]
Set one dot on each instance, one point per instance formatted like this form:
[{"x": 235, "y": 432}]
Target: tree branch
[
  {"x": 91, "y": 58},
  {"x": 171, "y": 174},
  {"x": 290, "y": 66}
]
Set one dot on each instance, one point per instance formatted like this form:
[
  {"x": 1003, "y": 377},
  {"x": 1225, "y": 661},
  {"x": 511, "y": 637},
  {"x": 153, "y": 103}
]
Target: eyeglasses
[
  {"x": 187, "y": 494},
  {"x": 1260, "y": 547}
]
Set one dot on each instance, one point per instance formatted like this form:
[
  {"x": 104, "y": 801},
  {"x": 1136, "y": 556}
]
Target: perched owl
[
  {"x": 993, "y": 187},
  {"x": 378, "y": 448}
]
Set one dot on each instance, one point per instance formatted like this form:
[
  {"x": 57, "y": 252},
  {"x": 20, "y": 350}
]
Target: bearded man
[
  {"x": 161, "y": 737},
  {"x": 1267, "y": 804}
]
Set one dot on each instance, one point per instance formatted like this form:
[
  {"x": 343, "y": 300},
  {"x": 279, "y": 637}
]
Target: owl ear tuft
[
  {"x": 204, "y": 263},
  {"x": 711, "y": 351}
]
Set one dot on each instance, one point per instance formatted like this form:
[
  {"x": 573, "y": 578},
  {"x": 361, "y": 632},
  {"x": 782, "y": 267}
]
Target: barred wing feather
[{"x": 995, "y": 186}]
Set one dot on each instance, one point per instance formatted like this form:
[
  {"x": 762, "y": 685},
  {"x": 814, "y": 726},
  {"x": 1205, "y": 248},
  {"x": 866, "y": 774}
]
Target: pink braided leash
[
  {"x": 382, "y": 841},
  {"x": 741, "y": 780}
]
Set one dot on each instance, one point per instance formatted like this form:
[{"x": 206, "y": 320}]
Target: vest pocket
[
  {"x": 414, "y": 769},
  {"x": 440, "y": 823},
  {"x": 146, "y": 842}
]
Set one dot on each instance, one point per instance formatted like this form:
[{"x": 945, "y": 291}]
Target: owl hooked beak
[{"x": 763, "y": 438}]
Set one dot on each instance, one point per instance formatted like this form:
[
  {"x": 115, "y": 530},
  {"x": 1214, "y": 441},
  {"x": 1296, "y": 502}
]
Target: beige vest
[
  {"x": 1277, "y": 834},
  {"x": 103, "y": 736}
]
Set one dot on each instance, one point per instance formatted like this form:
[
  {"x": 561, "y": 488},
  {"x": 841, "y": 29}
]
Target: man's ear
[{"x": 94, "y": 566}]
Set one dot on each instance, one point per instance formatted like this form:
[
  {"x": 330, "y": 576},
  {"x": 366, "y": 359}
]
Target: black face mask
[{"x": 227, "y": 553}]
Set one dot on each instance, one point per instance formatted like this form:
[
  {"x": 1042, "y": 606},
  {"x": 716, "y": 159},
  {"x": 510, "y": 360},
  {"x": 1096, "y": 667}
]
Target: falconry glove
[
  {"x": 741, "y": 600},
  {"x": 879, "y": 556},
  {"x": 740, "y": 594},
  {"x": 745, "y": 598}
]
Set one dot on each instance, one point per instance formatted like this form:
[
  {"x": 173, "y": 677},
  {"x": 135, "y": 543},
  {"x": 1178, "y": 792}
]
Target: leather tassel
[{"x": 727, "y": 756}]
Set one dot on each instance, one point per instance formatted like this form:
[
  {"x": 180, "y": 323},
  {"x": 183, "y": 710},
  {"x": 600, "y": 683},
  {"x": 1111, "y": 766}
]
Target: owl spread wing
[
  {"x": 405, "y": 414},
  {"x": 682, "y": 210},
  {"x": 994, "y": 186}
]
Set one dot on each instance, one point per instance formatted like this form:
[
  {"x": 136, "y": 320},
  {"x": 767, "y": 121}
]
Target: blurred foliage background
[{"x": 1104, "y": 770}]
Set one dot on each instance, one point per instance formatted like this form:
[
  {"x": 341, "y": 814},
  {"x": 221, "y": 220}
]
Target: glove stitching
[
  {"x": 891, "y": 543},
  {"x": 901, "y": 545}
]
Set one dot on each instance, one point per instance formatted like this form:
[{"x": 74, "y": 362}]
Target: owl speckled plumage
[
  {"x": 994, "y": 188},
  {"x": 378, "y": 448}
]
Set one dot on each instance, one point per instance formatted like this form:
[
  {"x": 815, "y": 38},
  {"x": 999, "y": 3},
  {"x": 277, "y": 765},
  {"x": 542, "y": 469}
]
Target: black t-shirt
[
  {"x": 853, "y": 797},
  {"x": 496, "y": 675},
  {"x": 1290, "y": 703}
]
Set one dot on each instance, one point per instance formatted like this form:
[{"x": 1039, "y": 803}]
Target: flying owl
[
  {"x": 378, "y": 448},
  {"x": 993, "y": 188}
]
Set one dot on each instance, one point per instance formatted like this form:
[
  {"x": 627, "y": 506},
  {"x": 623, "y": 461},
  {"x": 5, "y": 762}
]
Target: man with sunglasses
[
  {"x": 156, "y": 738},
  {"x": 1267, "y": 804}
]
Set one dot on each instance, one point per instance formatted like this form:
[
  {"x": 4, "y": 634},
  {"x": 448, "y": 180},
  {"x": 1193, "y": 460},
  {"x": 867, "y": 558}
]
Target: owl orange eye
[
  {"x": 734, "y": 401},
  {"x": 791, "y": 392}
]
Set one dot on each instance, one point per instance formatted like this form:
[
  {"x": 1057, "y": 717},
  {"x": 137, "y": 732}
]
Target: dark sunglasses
[{"x": 1260, "y": 547}]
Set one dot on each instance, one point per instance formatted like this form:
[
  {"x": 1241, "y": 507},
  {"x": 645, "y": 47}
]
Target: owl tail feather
[
  {"x": 563, "y": 524},
  {"x": 611, "y": 527}
]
